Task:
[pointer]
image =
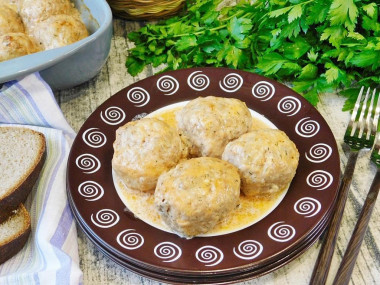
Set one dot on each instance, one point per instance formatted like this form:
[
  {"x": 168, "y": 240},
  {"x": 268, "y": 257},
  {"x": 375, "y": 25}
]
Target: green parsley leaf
[
  {"x": 279, "y": 12},
  {"x": 134, "y": 66},
  {"x": 334, "y": 34},
  {"x": 312, "y": 55},
  {"x": 344, "y": 12},
  {"x": 296, "y": 49},
  {"x": 232, "y": 56},
  {"x": 332, "y": 72},
  {"x": 270, "y": 63},
  {"x": 312, "y": 96},
  {"x": 302, "y": 86},
  {"x": 317, "y": 12},
  {"x": 185, "y": 42},
  {"x": 239, "y": 28},
  {"x": 295, "y": 13},
  {"x": 309, "y": 71},
  {"x": 370, "y": 9},
  {"x": 365, "y": 58}
]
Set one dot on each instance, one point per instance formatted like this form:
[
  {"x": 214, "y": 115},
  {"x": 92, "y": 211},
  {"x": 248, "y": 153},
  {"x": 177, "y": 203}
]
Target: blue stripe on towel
[
  {"x": 43, "y": 259},
  {"x": 33, "y": 109}
]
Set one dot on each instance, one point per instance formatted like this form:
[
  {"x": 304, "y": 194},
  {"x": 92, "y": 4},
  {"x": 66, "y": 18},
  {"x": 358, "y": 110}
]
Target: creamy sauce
[
  {"x": 169, "y": 116},
  {"x": 250, "y": 209}
]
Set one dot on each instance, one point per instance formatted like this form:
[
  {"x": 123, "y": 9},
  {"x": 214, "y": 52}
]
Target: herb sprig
[{"x": 317, "y": 46}]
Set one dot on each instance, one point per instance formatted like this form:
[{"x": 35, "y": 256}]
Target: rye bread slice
[
  {"x": 14, "y": 233},
  {"x": 22, "y": 155}
]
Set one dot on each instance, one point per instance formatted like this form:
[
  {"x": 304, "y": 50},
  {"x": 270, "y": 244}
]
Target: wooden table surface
[{"x": 79, "y": 102}]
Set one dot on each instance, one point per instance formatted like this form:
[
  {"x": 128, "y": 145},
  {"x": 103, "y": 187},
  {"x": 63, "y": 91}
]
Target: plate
[
  {"x": 216, "y": 279},
  {"x": 307, "y": 204},
  {"x": 249, "y": 273}
]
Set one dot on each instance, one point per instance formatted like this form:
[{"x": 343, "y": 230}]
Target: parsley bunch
[{"x": 316, "y": 46}]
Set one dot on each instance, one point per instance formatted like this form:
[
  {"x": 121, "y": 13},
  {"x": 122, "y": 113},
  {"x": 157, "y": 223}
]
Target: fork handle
[
  {"x": 322, "y": 265},
  {"x": 348, "y": 262}
]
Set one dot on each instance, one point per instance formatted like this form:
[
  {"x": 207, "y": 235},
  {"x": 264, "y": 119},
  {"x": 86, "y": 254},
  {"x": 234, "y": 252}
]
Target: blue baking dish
[{"x": 74, "y": 64}]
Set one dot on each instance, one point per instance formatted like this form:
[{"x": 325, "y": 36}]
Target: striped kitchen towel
[{"x": 51, "y": 253}]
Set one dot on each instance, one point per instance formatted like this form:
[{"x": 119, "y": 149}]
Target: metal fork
[
  {"x": 359, "y": 135},
  {"x": 343, "y": 275}
]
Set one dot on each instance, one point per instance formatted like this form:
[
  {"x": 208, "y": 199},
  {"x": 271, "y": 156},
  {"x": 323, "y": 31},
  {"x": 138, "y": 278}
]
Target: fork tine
[
  {"x": 377, "y": 114},
  {"x": 371, "y": 122},
  {"x": 362, "y": 113},
  {"x": 353, "y": 121},
  {"x": 357, "y": 105}
]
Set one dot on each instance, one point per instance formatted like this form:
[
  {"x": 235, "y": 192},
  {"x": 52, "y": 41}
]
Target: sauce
[
  {"x": 169, "y": 116},
  {"x": 250, "y": 210}
]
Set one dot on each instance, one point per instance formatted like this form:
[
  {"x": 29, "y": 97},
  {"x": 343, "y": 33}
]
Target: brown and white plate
[
  {"x": 249, "y": 273},
  {"x": 301, "y": 213},
  {"x": 212, "y": 279}
]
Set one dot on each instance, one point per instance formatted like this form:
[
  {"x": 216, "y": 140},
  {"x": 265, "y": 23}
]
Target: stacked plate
[{"x": 285, "y": 233}]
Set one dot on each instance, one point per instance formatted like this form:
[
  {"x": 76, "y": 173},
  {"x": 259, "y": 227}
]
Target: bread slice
[
  {"x": 14, "y": 233},
  {"x": 22, "y": 155}
]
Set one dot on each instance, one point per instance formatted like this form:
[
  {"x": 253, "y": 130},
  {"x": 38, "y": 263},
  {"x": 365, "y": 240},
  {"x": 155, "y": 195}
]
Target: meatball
[
  {"x": 34, "y": 11},
  {"x": 197, "y": 194},
  {"x": 58, "y": 31},
  {"x": 16, "y": 44},
  {"x": 13, "y": 4},
  {"x": 267, "y": 161},
  {"x": 211, "y": 122},
  {"x": 143, "y": 150},
  {"x": 10, "y": 21}
]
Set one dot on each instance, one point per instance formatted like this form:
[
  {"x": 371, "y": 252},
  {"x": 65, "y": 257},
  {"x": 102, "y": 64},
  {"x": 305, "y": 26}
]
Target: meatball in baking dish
[
  {"x": 13, "y": 4},
  {"x": 10, "y": 21},
  {"x": 58, "y": 31},
  {"x": 16, "y": 44},
  {"x": 197, "y": 194},
  {"x": 211, "y": 122},
  {"x": 267, "y": 161},
  {"x": 34, "y": 11},
  {"x": 143, "y": 150}
]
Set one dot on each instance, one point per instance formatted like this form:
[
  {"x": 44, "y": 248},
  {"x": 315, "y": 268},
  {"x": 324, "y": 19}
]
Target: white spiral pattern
[
  {"x": 319, "y": 153},
  {"x": 167, "y": 84},
  {"x": 94, "y": 138},
  {"x": 88, "y": 163},
  {"x": 209, "y": 255},
  {"x": 112, "y": 115},
  {"x": 138, "y": 96},
  {"x": 307, "y": 128},
  {"x": 198, "y": 81},
  {"x": 281, "y": 232},
  {"x": 289, "y": 105},
  {"x": 319, "y": 179},
  {"x": 307, "y": 207},
  {"x": 231, "y": 82},
  {"x": 263, "y": 90},
  {"x": 248, "y": 249},
  {"x": 168, "y": 251},
  {"x": 129, "y": 239},
  {"x": 91, "y": 190},
  {"x": 105, "y": 218}
]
